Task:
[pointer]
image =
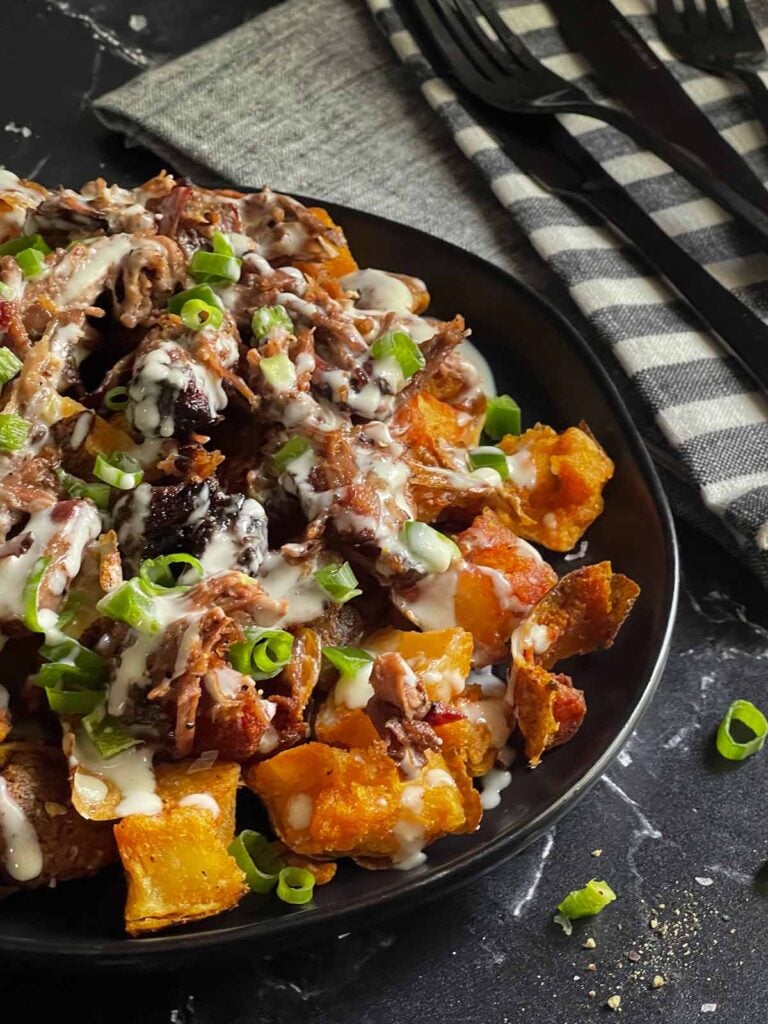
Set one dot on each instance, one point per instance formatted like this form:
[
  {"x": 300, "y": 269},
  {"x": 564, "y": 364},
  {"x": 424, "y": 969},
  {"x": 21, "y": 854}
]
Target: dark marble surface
[{"x": 683, "y": 840}]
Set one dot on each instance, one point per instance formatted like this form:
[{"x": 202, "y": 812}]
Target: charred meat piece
[
  {"x": 397, "y": 709},
  {"x": 98, "y": 209}
]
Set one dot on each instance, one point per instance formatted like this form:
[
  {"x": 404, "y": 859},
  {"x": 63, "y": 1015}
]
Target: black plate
[{"x": 551, "y": 371}]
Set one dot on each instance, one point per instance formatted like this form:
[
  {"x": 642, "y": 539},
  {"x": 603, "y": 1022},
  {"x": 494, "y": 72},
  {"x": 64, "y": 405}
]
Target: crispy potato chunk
[
  {"x": 339, "y": 261},
  {"x": 555, "y": 491},
  {"x": 177, "y": 783},
  {"x": 178, "y": 869},
  {"x": 5, "y": 723},
  {"x": 327, "y": 802},
  {"x": 441, "y": 658},
  {"x": 341, "y": 726},
  {"x": 35, "y": 781},
  {"x": 582, "y": 613},
  {"x": 428, "y": 426},
  {"x": 481, "y": 733}
]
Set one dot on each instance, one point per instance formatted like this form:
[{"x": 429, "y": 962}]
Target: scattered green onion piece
[
  {"x": 116, "y": 399},
  {"x": 502, "y": 417},
  {"x": 31, "y": 261},
  {"x": 258, "y": 859},
  {"x": 221, "y": 244},
  {"x": 17, "y": 245},
  {"x": 10, "y": 365},
  {"x": 348, "y": 660},
  {"x": 584, "y": 902},
  {"x": 214, "y": 268},
  {"x": 73, "y": 702},
  {"x": 489, "y": 457},
  {"x": 118, "y": 470},
  {"x": 196, "y": 314},
  {"x": 130, "y": 603},
  {"x": 73, "y": 602},
  {"x": 201, "y": 292},
  {"x": 400, "y": 346},
  {"x": 263, "y": 654},
  {"x": 431, "y": 548},
  {"x": 338, "y": 581},
  {"x": 744, "y": 712},
  {"x": 295, "y": 885},
  {"x": 77, "y": 488},
  {"x": 31, "y": 596},
  {"x": 68, "y": 651},
  {"x": 13, "y": 431},
  {"x": 61, "y": 676},
  {"x": 268, "y": 317},
  {"x": 107, "y": 734},
  {"x": 279, "y": 372},
  {"x": 157, "y": 578},
  {"x": 289, "y": 452}
]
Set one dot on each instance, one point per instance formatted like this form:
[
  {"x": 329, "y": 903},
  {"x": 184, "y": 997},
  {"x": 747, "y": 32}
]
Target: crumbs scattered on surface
[
  {"x": 589, "y": 943},
  {"x": 137, "y": 22},
  {"x": 596, "y": 853},
  {"x": 708, "y": 1007},
  {"x": 18, "y": 129},
  {"x": 658, "y": 981},
  {"x": 613, "y": 1002},
  {"x": 704, "y": 881}
]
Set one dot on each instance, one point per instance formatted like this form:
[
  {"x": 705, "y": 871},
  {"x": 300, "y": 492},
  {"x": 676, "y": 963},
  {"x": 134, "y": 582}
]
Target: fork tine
[
  {"x": 442, "y": 24},
  {"x": 742, "y": 19},
  {"x": 668, "y": 15},
  {"x": 715, "y": 16},
  {"x": 694, "y": 22},
  {"x": 468, "y": 14},
  {"x": 506, "y": 36}
]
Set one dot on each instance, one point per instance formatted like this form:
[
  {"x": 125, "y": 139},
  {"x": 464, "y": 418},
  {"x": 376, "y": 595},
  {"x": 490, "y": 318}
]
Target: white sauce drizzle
[
  {"x": 131, "y": 772},
  {"x": 297, "y": 585},
  {"x": 23, "y": 853},
  {"x": 202, "y": 800},
  {"x": 492, "y": 785},
  {"x": 355, "y": 691},
  {"x": 299, "y": 811}
]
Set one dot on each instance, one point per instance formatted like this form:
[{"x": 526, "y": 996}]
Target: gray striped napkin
[{"x": 714, "y": 423}]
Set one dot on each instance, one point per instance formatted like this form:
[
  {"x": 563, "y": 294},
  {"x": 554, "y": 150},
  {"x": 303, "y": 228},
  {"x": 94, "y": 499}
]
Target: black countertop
[{"x": 682, "y": 838}]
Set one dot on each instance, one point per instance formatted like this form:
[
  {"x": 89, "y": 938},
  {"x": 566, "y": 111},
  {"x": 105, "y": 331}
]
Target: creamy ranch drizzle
[
  {"x": 23, "y": 853},
  {"x": 203, "y": 800},
  {"x": 131, "y": 773}
]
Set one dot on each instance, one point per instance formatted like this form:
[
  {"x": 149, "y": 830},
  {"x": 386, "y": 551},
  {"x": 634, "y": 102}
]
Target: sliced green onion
[
  {"x": 279, "y": 372},
  {"x": 13, "y": 431},
  {"x": 157, "y": 578},
  {"x": 73, "y": 602},
  {"x": 73, "y": 702},
  {"x": 295, "y": 885},
  {"x": 116, "y": 399},
  {"x": 68, "y": 651},
  {"x": 201, "y": 292},
  {"x": 348, "y": 660},
  {"x": 502, "y": 417},
  {"x": 400, "y": 346},
  {"x": 17, "y": 245},
  {"x": 263, "y": 654},
  {"x": 584, "y": 902},
  {"x": 214, "y": 268},
  {"x": 289, "y": 452},
  {"x": 258, "y": 859},
  {"x": 118, "y": 470},
  {"x": 489, "y": 457},
  {"x": 130, "y": 603},
  {"x": 428, "y": 546},
  {"x": 31, "y": 261},
  {"x": 744, "y": 712},
  {"x": 196, "y": 314},
  {"x": 61, "y": 676},
  {"x": 77, "y": 488},
  {"x": 221, "y": 244},
  {"x": 268, "y": 317},
  {"x": 31, "y": 596},
  {"x": 338, "y": 581},
  {"x": 10, "y": 365},
  {"x": 107, "y": 734}
]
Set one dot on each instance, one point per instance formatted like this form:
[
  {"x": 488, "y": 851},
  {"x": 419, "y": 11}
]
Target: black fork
[
  {"x": 715, "y": 41},
  {"x": 496, "y": 68}
]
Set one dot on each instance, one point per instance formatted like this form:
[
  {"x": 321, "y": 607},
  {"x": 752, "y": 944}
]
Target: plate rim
[{"x": 128, "y": 953}]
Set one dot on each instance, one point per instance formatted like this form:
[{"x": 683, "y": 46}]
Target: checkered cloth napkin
[{"x": 305, "y": 98}]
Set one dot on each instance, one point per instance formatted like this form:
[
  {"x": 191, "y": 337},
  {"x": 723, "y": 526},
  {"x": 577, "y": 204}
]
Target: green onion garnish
[
  {"x": 157, "y": 577},
  {"x": 289, "y": 452},
  {"x": 338, "y": 581},
  {"x": 295, "y": 885},
  {"x": 502, "y": 417},
  {"x": 348, "y": 660},
  {"x": 77, "y": 488},
  {"x": 17, "y": 245},
  {"x": 31, "y": 596},
  {"x": 428, "y": 546},
  {"x": 263, "y": 654},
  {"x": 258, "y": 859},
  {"x": 221, "y": 244},
  {"x": 73, "y": 702},
  {"x": 196, "y": 314},
  {"x": 118, "y": 470},
  {"x": 584, "y": 902},
  {"x": 201, "y": 292},
  {"x": 10, "y": 365},
  {"x": 31, "y": 261},
  {"x": 73, "y": 602},
  {"x": 279, "y": 372},
  {"x": 13, "y": 431},
  {"x": 402, "y": 347},
  {"x": 747, "y": 715},
  {"x": 67, "y": 651},
  {"x": 130, "y": 603},
  {"x": 214, "y": 268},
  {"x": 116, "y": 399},
  {"x": 489, "y": 457},
  {"x": 107, "y": 734},
  {"x": 267, "y": 317}
]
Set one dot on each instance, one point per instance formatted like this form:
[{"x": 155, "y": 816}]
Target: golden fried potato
[
  {"x": 178, "y": 869},
  {"x": 428, "y": 427},
  {"x": 555, "y": 491},
  {"x": 34, "y": 792},
  {"x": 327, "y": 802},
  {"x": 441, "y": 658},
  {"x": 481, "y": 732},
  {"x": 185, "y": 783}
]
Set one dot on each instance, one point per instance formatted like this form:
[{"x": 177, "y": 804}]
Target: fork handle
[
  {"x": 758, "y": 93},
  {"x": 682, "y": 160}
]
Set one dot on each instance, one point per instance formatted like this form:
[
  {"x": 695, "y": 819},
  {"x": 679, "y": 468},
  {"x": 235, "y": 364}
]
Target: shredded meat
[{"x": 397, "y": 709}]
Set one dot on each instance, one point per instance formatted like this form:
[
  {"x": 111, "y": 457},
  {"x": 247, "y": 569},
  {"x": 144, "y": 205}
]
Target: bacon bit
[{"x": 441, "y": 714}]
